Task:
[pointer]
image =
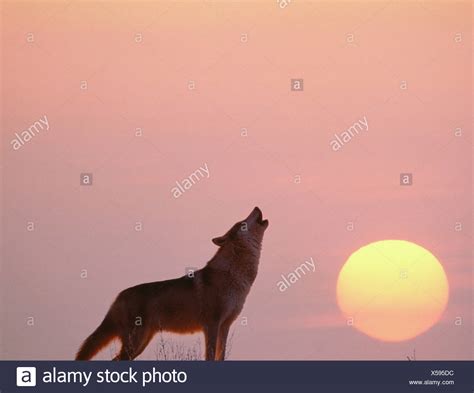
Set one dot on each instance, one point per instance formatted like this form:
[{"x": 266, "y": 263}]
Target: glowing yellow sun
[{"x": 392, "y": 290}]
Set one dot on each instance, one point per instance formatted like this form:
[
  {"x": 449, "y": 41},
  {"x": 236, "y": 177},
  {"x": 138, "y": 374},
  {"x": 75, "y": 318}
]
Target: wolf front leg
[
  {"x": 222, "y": 340},
  {"x": 210, "y": 334}
]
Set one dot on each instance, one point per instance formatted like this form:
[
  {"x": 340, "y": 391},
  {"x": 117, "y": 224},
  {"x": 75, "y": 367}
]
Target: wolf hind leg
[{"x": 134, "y": 343}]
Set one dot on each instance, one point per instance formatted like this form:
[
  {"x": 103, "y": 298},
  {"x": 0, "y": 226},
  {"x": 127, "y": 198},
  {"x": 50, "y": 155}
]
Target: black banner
[{"x": 237, "y": 376}]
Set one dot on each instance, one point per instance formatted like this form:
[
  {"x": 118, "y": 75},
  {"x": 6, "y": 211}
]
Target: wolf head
[{"x": 246, "y": 234}]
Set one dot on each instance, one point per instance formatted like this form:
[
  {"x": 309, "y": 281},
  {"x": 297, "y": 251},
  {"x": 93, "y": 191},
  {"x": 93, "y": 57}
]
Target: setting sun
[{"x": 392, "y": 290}]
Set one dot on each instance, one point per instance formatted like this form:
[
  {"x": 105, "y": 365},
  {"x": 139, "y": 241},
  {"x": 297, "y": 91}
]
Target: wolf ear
[{"x": 219, "y": 241}]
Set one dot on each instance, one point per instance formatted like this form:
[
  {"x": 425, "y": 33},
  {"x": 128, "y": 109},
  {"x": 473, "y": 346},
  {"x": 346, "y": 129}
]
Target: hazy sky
[{"x": 143, "y": 94}]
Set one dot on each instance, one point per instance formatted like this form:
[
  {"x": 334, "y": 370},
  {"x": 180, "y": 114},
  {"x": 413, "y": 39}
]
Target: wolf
[{"x": 208, "y": 302}]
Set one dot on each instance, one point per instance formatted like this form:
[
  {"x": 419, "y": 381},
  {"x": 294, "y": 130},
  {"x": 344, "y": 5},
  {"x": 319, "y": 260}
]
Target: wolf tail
[{"x": 97, "y": 340}]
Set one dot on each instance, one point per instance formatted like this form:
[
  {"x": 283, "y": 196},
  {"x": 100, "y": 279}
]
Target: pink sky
[{"x": 425, "y": 46}]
